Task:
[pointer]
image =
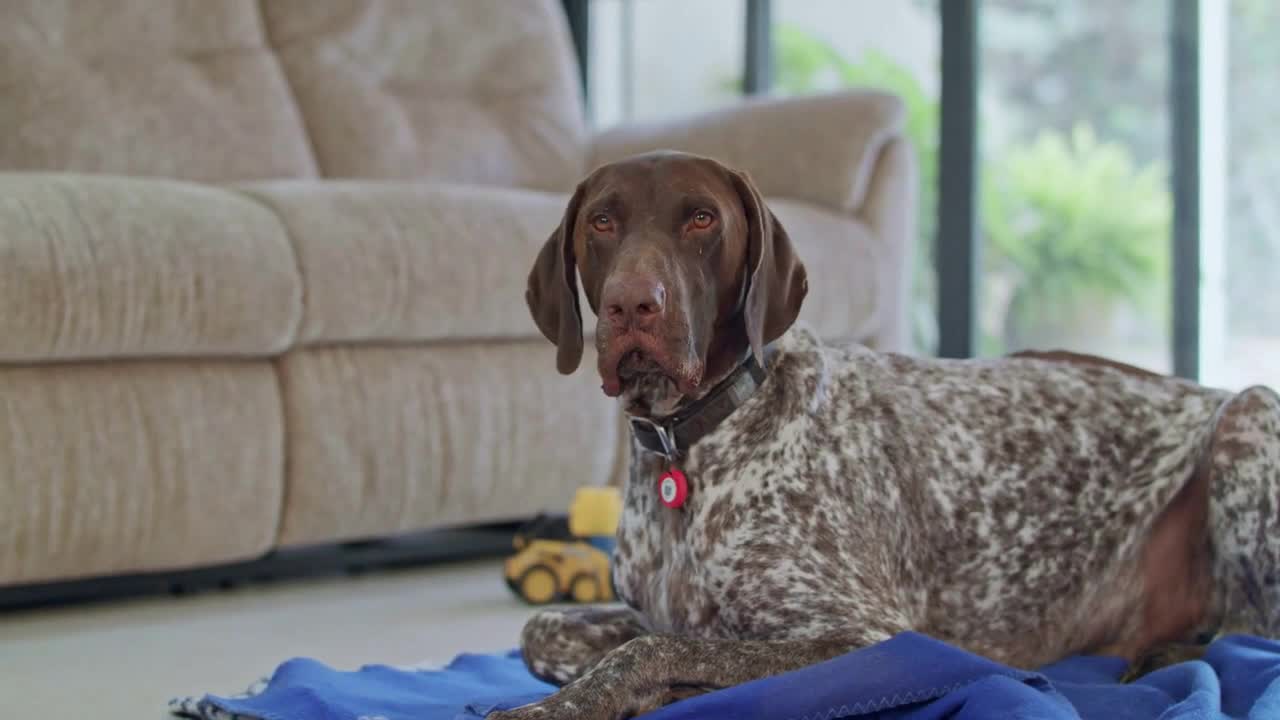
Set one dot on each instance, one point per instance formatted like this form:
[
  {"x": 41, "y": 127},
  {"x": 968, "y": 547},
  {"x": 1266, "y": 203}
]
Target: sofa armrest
[
  {"x": 890, "y": 210},
  {"x": 821, "y": 149}
]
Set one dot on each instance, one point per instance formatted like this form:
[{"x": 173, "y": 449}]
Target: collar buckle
[{"x": 665, "y": 437}]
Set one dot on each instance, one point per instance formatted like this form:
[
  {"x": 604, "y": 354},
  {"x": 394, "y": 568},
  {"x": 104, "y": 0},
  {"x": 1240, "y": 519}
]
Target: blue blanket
[{"x": 909, "y": 677}]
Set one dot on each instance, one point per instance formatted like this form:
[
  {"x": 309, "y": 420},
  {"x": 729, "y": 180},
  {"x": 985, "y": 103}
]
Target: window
[
  {"x": 1075, "y": 208},
  {"x": 1240, "y": 342},
  {"x": 660, "y": 58},
  {"x": 823, "y": 45}
]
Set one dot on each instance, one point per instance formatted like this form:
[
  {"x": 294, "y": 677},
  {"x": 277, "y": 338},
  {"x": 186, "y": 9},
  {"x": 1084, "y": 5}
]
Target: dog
[{"x": 790, "y": 501}]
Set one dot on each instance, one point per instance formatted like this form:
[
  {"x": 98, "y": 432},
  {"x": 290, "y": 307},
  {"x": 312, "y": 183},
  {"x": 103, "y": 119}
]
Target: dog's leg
[
  {"x": 560, "y": 645},
  {"x": 1162, "y": 657},
  {"x": 1242, "y": 484},
  {"x": 1245, "y": 514},
  {"x": 655, "y": 670}
]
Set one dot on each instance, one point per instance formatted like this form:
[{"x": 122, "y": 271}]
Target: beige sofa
[{"x": 262, "y": 268}]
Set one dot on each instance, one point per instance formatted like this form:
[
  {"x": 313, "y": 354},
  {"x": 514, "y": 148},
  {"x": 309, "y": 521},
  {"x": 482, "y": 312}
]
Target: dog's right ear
[
  {"x": 777, "y": 281},
  {"x": 553, "y": 290}
]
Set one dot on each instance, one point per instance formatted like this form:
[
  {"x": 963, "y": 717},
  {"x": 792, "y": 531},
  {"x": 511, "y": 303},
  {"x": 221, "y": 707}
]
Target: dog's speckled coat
[
  {"x": 1000, "y": 505},
  {"x": 1024, "y": 508}
]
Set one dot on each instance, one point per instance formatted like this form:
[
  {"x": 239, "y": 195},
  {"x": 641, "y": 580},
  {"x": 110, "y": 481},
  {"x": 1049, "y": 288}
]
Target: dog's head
[{"x": 683, "y": 265}]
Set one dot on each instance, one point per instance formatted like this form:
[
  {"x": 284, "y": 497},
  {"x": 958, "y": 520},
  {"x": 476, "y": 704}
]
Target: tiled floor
[{"x": 124, "y": 661}]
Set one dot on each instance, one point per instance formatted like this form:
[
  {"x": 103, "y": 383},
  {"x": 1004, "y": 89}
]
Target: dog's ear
[
  {"x": 552, "y": 294},
  {"x": 776, "y": 279}
]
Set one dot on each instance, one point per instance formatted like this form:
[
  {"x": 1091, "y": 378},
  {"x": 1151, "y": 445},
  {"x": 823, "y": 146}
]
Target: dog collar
[{"x": 671, "y": 436}]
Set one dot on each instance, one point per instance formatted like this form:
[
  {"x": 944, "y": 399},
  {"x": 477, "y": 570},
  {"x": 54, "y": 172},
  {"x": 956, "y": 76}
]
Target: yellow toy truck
[{"x": 561, "y": 558}]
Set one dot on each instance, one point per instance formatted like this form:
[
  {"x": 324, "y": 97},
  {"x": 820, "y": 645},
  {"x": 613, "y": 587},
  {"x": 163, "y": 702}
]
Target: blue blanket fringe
[{"x": 911, "y": 677}]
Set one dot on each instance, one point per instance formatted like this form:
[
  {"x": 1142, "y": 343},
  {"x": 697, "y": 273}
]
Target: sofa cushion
[
  {"x": 407, "y": 262},
  {"x": 479, "y": 91},
  {"x": 97, "y": 266},
  {"x": 412, "y": 262},
  {"x": 129, "y": 467},
  {"x": 182, "y": 88},
  {"x": 394, "y": 439}
]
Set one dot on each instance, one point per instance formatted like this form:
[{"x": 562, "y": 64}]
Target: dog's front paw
[
  {"x": 575, "y": 703},
  {"x": 525, "y": 712},
  {"x": 616, "y": 688},
  {"x": 552, "y": 709}
]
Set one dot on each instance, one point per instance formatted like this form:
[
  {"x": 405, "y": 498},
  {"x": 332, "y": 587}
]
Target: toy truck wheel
[
  {"x": 538, "y": 585},
  {"x": 585, "y": 589}
]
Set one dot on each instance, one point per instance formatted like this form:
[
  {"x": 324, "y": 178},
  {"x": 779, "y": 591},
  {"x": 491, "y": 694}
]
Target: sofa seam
[
  {"x": 294, "y": 333},
  {"x": 269, "y": 42},
  {"x": 293, "y": 342},
  {"x": 286, "y": 455}
]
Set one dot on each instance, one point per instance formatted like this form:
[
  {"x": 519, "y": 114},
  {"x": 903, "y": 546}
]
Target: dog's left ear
[
  {"x": 777, "y": 281},
  {"x": 552, "y": 293}
]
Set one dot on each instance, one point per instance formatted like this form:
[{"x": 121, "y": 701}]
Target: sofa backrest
[{"x": 474, "y": 91}]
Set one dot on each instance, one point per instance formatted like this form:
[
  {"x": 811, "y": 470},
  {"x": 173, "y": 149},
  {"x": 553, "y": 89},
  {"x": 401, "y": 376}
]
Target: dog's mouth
[
  {"x": 635, "y": 363},
  {"x": 647, "y": 377},
  {"x": 646, "y": 386}
]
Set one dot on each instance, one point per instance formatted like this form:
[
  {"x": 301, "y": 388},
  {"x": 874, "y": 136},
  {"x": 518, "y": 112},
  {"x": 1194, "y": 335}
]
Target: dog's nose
[{"x": 633, "y": 300}]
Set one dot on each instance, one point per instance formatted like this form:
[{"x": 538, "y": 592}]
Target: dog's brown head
[{"x": 683, "y": 265}]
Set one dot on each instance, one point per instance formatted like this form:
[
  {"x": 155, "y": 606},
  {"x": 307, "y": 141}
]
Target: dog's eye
[
  {"x": 602, "y": 223},
  {"x": 703, "y": 219}
]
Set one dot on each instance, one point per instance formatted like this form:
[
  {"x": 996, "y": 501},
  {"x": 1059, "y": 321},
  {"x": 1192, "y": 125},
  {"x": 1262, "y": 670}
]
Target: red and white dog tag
[{"x": 673, "y": 488}]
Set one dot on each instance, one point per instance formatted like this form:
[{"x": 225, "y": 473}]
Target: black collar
[{"x": 671, "y": 436}]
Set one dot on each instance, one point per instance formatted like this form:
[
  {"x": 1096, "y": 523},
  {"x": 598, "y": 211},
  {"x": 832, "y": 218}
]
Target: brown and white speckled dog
[{"x": 1024, "y": 508}]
